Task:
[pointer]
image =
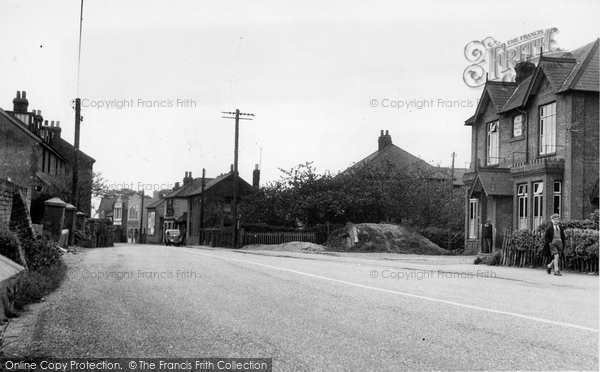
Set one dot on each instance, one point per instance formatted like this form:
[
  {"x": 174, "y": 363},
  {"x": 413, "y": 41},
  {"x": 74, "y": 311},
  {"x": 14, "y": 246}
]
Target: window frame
[
  {"x": 493, "y": 133},
  {"x": 545, "y": 149},
  {"x": 522, "y": 116}
]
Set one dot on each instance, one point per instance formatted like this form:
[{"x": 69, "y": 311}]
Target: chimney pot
[
  {"x": 24, "y": 95},
  {"x": 52, "y": 123},
  {"x": 18, "y": 94},
  {"x": 45, "y": 123},
  {"x": 382, "y": 132},
  {"x": 58, "y": 123}
]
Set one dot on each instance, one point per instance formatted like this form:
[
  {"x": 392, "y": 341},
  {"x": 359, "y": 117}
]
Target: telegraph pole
[
  {"x": 237, "y": 116},
  {"x": 452, "y": 169},
  {"x": 141, "y": 217},
  {"x": 202, "y": 200}
]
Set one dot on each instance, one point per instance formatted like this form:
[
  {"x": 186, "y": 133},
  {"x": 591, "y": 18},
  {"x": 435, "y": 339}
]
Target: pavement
[{"x": 314, "y": 312}]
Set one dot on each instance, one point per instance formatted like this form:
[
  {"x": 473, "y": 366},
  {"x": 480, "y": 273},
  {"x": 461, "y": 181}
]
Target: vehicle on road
[{"x": 173, "y": 237}]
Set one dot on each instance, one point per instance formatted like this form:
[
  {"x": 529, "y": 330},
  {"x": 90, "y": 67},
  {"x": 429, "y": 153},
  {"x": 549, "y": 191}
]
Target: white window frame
[
  {"x": 547, "y": 129},
  {"x": 472, "y": 218},
  {"x": 557, "y": 198},
  {"x": 493, "y": 143},
  {"x": 518, "y": 119},
  {"x": 538, "y": 204},
  {"x": 522, "y": 206}
]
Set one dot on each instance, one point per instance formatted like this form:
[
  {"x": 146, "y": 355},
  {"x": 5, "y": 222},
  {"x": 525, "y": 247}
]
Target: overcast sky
[{"x": 308, "y": 70}]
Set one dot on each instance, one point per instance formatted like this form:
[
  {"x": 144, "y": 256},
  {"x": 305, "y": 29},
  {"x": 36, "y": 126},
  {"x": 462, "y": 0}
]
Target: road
[{"x": 313, "y": 312}]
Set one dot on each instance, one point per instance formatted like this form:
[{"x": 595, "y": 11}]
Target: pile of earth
[
  {"x": 382, "y": 238},
  {"x": 286, "y": 247}
]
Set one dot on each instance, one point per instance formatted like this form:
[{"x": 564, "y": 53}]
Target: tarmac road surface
[{"x": 313, "y": 312}]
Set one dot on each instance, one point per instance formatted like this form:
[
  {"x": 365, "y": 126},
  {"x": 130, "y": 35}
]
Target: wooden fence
[
  {"x": 278, "y": 237},
  {"x": 530, "y": 257}
]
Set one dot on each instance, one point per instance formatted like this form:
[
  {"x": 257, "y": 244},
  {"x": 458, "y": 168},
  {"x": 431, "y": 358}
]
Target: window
[
  {"x": 118, "y": 213},
  {"x": 522, "y": 200},
  {"x": 556, "y": 196},
  {"x": 151, "y": 222},
  {"x": 133, "y": 212},
  {"x": 473, "y": 218},
  {"x": 518, "y": 126},
  {"x": 492, "y": 143},
  {"x": 548, "y": 129},
  {"x": 538, "y": 204}
]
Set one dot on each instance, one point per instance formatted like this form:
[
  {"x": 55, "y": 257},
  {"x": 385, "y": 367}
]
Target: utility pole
[
  {"x": 452, "y": 169},
  {"x": 202, "y": 201},
  {"x": 141, "y": 216},
  {"x": 75, "y": 189},
  {"x": 237, "y": 118}
]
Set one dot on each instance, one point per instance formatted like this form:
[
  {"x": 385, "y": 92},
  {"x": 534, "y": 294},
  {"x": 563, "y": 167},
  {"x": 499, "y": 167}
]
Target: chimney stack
[
  {"x": 187, "y": 179},
  {"x": 20, "y": 103},
  {"x": 256, "y": 177},
  {"x": 523, "y": 70},
  {"x": 384, "y": 140}
]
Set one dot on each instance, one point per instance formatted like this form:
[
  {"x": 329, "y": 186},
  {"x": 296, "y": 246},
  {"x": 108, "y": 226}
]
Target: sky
[{"x": 321, "y": 77}]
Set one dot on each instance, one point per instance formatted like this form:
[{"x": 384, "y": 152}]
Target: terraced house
[{"x": 534, "y": 146}]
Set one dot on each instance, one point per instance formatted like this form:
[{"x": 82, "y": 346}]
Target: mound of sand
[
  {"x": 382, "y": 238},
  {"x": 286, "y": 247}
]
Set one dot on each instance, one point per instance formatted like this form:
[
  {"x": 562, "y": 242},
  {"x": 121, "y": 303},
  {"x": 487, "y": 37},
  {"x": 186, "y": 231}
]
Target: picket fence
[
  {"x": 530, "y": 257},
  {"x": 278, "y": 237}
]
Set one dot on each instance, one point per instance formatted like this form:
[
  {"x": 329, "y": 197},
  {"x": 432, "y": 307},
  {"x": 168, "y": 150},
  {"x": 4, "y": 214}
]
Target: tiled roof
[
  {"x": 576, "y": 70},
  {"x": 392, "y": 154},
  {"x": 155, "y": 203},
  {"x": 214, "y": 182},
  {"x": 4, "y": 116},
  {"x": 585, "y": 75},
  {"x": 519, "y": 95},
  {"x": 184, "y": 191},
  {"x": 67, "y": 150},
  {"x": 493, "y": 183},
  {"x": 498, "y": 93}
]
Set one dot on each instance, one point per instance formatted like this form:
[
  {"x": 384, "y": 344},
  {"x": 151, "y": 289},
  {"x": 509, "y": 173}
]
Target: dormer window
[{"x": 493, "y": 146}]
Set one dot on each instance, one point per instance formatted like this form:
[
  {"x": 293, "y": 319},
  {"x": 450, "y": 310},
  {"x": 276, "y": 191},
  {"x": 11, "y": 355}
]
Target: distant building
[
  {"x": 534, "y": 146},
  {"x": 387, "y": 152},
  {"x": 214, "y": 204},
  {"x": 33, "y": 155}
]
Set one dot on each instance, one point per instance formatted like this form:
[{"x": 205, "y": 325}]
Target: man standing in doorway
[
  {"x": 488, "y": 234},
  {"x": 554, "y": 242}
]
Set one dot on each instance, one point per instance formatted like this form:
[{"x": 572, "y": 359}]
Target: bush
[
  {"x": 523, "y": 240},
  {"x": 442, "y": 237},
  {"x": 41, "y": 253},
  {"x": 32, "y": 286},
  {"x": 580, "y": 242},
  {"x": 9, "y": 246}
]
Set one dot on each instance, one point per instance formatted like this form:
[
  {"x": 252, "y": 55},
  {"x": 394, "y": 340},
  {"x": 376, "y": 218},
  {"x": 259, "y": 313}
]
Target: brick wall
[{"x": 14, "y": 211}]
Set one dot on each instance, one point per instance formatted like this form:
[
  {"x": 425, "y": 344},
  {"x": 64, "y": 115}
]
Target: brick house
[
  {"x": 135, "y": 206},
  {"x": 215, "y": 202},
  {"x": 33, "y": 155},
  {"x": 534, "y": 146}
]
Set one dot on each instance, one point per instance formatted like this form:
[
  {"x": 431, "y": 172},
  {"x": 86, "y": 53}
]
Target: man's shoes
[
  {"x": 549, "y": 270},
  {"x": 558, "y": 273}
]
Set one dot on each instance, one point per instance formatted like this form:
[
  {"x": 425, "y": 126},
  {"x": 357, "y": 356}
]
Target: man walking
[{"x": 554, "y": 243}]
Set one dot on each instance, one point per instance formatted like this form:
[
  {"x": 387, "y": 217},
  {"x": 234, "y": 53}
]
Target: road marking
[{"x": 433, "y": 299}]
